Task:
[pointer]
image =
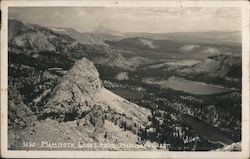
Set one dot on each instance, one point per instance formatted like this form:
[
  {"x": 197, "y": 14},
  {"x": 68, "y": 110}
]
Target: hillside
[
  {"x": 225, "y": 66},
  {"x": 107, "y": 34},
  {"x": 211, "y": 37},
  {"x": 83, "y": 38},
  {"x": 15, "y": 27},
  {"x": 82, "y": 87},
  {"x": 219, "y": 69},
  {"x": 60, "y": 50},
  {"x": 171, "y": 49},
  {"x": 148, "y": 48},
  {"x": 60, "y": 96},
  {"x": 35, "y": 40},
  {"x": 80, "y": 105},
  {"x": 107, "y": 56}
]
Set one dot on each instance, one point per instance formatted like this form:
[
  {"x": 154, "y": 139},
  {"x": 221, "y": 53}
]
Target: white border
[{"x": 127, "y": 154}]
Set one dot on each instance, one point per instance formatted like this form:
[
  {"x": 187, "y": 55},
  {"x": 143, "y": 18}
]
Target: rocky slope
[
  {"x": 83, "y": 38},
  {"x": 55, "y": 95},
  {"x": 37, "y": 41},
  {"x": 83, "y": 110},
  {"x": 118, "y": 58},
  {"x": 60, "y": 47},
  {"x": 222, "y": 65},
  {"x": 100, "y": 52},
  {"x": 81, "y": 90}
]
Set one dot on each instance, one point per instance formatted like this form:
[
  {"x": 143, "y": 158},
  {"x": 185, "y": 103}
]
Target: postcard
[{"x": 125, "y": 79}]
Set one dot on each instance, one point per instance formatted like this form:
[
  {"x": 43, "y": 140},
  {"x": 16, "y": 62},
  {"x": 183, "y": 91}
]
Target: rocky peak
[
  {"x": 14, "y": 27},
  {"x": 85, "y": 76},
  {"x": 80, "y": 95},
  {"x": 73, "y": 97}
]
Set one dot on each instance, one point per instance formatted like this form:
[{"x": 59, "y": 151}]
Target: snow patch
[
  {"x": 188, "y": 48},
  {"x": 211, "y": 50},
  {"x": 58, "y": 29},
  {"x": 148, "y": 43},
  {"x": 122, "y": 76}
]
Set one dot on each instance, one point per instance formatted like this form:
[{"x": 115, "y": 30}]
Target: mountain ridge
[
  {"x": 72, "y": 106},
  {"x": 83, "y": 38}
]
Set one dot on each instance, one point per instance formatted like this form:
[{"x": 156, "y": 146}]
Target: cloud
[{"x": 86, "y": 19}]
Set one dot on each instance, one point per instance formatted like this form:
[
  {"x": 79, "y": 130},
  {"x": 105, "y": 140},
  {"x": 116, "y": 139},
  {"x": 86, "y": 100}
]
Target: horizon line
[{"x": 124, "y": 32}]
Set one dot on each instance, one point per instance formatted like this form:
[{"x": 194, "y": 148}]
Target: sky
[{"x": 89, "y": 19}]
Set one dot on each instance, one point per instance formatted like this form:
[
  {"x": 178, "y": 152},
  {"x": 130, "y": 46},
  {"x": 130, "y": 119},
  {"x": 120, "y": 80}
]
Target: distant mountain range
[
  {"x": 170, "y": 49},
  {"x": 102, "y": 30},
  {"x": 126, "y": 53},
  {"x": 210, "y": 37},
  {"x": 101, "y": 34}
]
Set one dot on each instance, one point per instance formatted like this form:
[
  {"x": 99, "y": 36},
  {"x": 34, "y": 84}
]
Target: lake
[
  {"x": 191, "y": 87},
  {"x": 213, "y": 134},
  {"x": 128, "y": 93}
]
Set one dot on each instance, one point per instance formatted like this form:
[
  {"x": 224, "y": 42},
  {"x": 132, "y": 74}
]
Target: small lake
[
  {"x": 192, "y": 87},
  {"x": 128, "y": 93},
  {"x": 211, "y": 133}
]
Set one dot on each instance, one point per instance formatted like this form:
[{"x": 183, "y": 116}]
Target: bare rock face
[
  {"x": 20, "y": 117},
  {"x": 73, "y": 97},
  {"x": 85, "y": 76},
  {"x": 81, "y": 92},
  {"x": 98, "y": 112},
  {"x": 29, "y": 39},
  {"x": 19, "y": 114}
]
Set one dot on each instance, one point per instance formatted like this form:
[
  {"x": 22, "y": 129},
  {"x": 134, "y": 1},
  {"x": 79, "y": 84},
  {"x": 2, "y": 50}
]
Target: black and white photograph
[{"x": 102, "y": 78}]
